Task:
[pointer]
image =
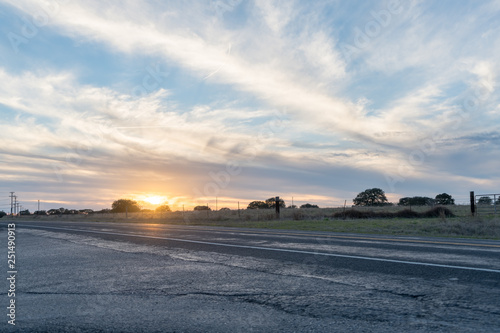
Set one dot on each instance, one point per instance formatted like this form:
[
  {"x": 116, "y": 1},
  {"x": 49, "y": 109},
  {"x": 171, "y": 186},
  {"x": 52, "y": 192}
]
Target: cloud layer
[{"x": 244, "y": 100}]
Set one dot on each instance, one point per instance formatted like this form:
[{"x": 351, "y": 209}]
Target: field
[{"x": 320, "y": 219}]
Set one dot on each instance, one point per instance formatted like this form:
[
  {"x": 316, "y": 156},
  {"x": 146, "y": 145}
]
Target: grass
[
  {"x": 435, "y": 227},
  {"x": 456, "y": 222}
]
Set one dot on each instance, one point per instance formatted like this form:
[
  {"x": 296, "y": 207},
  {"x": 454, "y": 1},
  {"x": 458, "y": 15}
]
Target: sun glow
[{"x": 155, "y": 200}]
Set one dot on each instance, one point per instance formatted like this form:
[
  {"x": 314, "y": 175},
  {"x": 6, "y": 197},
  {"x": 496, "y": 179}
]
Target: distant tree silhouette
[
  {"x": 371, "y": 197},
  {"x": 163, "y": 208},
  {"x": 202, "y": 208},
  {"x": 2, "y": 213},
  {"x": 308, "y": 205},
  {"x": 444, "y": 199},
  {"x": 54, "y": 212},
  {"x": 485, "y": 201},
  {"x": 257, "y": 205},
  {"x": 416, "y": 201},
  {"x": 271, "y": 203},
  {"x": 125, "y": 205}
]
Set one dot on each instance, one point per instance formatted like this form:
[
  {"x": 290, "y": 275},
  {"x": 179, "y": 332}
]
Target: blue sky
[{"x": 244, "y": 100}]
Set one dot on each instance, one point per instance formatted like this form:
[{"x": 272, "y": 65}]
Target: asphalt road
[{"x": 121, "y": 277}]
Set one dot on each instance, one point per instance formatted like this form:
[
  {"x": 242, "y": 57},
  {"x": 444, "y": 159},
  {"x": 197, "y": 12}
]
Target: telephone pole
[
  {"x": 15, "y": 204},
  {"x": 11, "y": 202}
]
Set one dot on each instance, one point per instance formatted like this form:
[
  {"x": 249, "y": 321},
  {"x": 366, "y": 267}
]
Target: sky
[{"x": 240, "y": 100}]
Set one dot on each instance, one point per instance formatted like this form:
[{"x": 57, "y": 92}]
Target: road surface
[{"x": 124, "y": 277}]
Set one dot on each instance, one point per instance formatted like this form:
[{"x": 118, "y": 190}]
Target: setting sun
[{"x": 155, "y": 200}]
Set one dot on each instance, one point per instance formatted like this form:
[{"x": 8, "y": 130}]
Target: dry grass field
[{"x": 318, "y": 219}]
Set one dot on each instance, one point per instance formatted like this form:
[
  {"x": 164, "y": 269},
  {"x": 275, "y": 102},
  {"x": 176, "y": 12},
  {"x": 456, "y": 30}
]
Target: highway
[{"x": 128, "y": 277}]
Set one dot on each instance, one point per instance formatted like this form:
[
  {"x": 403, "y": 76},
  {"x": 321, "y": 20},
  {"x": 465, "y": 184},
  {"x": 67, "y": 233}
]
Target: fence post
[
  {"x": 472, "y": 203},
  {"x": 277, "y": 204}
]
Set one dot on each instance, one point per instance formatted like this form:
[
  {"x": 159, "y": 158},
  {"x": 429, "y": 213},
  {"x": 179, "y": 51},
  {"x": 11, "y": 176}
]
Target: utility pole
[
  {"x": 15, "y": 204},
  {"x": 11, "y": 202},
  {"x": 38, "y": 205}
]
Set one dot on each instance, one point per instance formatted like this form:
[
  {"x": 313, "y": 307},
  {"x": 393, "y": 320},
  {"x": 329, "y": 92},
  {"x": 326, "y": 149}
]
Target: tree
[
  {"x": 271, "y": 203},
  {"x": 25, "y": 212},
  {"x": 416, "y": 201},
  {"x": 257, "y": 205},
  {"x": 125, "y": 205},
  {"x": 54, "y": 212},
  {"x": 163, "y": 208},
  {"x": 487, "y": 201},
  {"x": 444, "y": 199},
  {"x": 2, "y": 213},
  {"x": 223, "y": 209},
  {"x": 370, "y": 197},
  {"x": 308, "y": 205},
  {"x": 292, "y": 206},
  {"x": 202, "y": 208}
]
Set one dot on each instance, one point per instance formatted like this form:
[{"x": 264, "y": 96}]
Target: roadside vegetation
[
  {"x": 371, "y": 213},
  {"x": 451, "y": 221}
]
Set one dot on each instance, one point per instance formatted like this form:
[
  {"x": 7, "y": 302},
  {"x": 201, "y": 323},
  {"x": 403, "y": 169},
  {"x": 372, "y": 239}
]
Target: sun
[{"x": 155, "y": 199}]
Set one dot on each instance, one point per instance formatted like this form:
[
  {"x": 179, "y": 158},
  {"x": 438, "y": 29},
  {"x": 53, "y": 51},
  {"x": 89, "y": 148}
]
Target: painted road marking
[
  {"x": 178, "y": 227},
  {"x": 279, "y": 250},
  {"x": 346, "y": 237}
]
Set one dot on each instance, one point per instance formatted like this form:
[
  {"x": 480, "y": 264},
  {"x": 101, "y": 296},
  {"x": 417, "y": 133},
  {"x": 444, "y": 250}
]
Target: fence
[{"x": 487, "y": 204}]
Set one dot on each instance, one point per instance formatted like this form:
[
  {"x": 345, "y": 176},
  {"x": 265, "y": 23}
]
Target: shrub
[
  {"x": 406, "y": 213},
  {"x": 438, "y": 212}
]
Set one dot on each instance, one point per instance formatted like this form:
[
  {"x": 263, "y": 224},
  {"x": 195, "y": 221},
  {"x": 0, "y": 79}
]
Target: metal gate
[{"x": 487, "y": 204}]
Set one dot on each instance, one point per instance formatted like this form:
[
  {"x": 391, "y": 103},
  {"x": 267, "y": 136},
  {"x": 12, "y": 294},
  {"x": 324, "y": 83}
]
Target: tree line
[
  {"x": 369, "y": 197},
  {"x": 377, "y": 197}
]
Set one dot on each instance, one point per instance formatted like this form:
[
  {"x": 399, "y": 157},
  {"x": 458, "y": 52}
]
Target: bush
[
  {"x": 356, "y": 214},
  {"x": 438, "y": 212}
]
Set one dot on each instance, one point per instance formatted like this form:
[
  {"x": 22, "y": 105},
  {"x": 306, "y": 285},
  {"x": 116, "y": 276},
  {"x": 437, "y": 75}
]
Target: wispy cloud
[{"x": 264, "y": 83}]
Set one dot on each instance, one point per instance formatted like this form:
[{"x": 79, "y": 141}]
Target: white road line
[{"x": 277, "y": 249}]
